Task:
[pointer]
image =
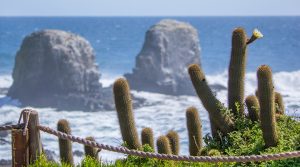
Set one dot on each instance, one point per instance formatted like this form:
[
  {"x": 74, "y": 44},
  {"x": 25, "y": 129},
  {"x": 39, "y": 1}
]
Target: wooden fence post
[
  {"x": 35, "y": 145},
  {"x": 20, "y": 151}
]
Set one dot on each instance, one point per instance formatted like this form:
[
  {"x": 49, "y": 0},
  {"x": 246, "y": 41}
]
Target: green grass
[{"x": 247, "y": 140}]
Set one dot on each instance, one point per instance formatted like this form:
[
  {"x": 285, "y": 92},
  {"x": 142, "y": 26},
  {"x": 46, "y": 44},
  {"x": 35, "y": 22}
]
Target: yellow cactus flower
[{"x": 257, "y": 33}]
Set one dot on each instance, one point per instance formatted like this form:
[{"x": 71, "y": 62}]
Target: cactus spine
[
  {"x": 125, "y": 114},
  {"x": 236, "y": 71},
  {"x": 279, "y": 104},
  {"x": 91, "y": 151},
  {"x": 65, "y": 146},
  {"x": 209, "y": 101},
  {"x": 174, "y": 141},
  {"x": 163, "y": 145},
  {"x": 267, "y": 105},
  {"x": 147, "y": 137},
  {"x": 194, "y": 127},
  {"x": 253, "y": 107}
]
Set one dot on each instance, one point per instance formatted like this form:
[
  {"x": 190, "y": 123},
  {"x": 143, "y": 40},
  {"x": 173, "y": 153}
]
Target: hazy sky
[{"x": 149, "y": 7}]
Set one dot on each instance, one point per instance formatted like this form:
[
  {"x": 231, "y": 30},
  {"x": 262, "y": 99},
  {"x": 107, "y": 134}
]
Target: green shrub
[
  {"x": 90, "y": 162},
  {"x": 42, "y": 161},
  {"x": 248, "y": 140}
]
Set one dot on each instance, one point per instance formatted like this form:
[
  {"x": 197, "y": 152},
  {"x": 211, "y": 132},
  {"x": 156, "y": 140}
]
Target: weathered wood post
[
  {"x": 35, "y": 145},
  {"x": 20, "y": 149}
]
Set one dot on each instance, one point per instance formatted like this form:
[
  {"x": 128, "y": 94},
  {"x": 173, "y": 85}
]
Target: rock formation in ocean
[
  {"x": 55, "y": 68},
  {"x": 161, "y": 66}
]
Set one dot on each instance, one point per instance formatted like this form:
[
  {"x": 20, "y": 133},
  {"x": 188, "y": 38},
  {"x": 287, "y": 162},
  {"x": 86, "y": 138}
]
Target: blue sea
[{"x": 118, "y": 40}]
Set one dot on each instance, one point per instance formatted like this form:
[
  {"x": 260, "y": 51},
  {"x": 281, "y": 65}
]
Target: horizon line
[{"x": 149, "y": 16}]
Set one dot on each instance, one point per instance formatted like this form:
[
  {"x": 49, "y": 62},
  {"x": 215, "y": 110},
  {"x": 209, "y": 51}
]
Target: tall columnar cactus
[
  {"x": 91, "y": 151},
  {"x": 65, "y": 146},
  {"x": 174, "y": 141},
  {"x": 267, "y": 105},
  {"x": 279, "y": 104},
  {"x": 125, "y": 114},
  {"x": 221, "y": 121},
  {"x": 147, "y": 137},
  {"x": 253, "y": 107},
  {"x": 236, "y": 71},
  {"x": 213, "y": 128},
  {"x": 163, "y": 145},
  {"x": 194, "y": 127}
]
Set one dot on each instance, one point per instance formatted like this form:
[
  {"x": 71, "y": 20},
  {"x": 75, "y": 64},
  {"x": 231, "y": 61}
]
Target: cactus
[
  {"x": 267, "y": 105},
  {"x": 194, "y": 127},
  {"x": 221, "y": 121},
  {"x": 203, "y": 151},
  {"x": 253, "y": 107},
  {"x": 236, "y": 71},
  {"x": 147, "y": 137},
  {"x": 174, "y": 142},
  {"x": 163, "y": 145},
  {"x": 65, "y": 146},
  {"x": 91, "y": 151},
  {"x": 279, "y": 104},
  {"x": 213, "y": 152},
  {"x": 125, "y": 114},
  {"x": 214, "y": 129}
]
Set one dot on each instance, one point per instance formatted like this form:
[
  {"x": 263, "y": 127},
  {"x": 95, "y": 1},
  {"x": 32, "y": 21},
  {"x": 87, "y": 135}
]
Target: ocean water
[{"x": 117, "y": 40}]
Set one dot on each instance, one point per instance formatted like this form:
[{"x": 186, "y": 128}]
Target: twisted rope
[
  {"x": 250, "y": 158},
  {"x": 26, "y": 119},
  {"x": 10, "y": 127}
]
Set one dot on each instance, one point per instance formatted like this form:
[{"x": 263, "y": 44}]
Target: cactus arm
[
  {"x": 279, "y": 104},
  {"x": 236, "y": 71},
  {"x": 209, "y": 101},
  {"x": 125, "y": 115},
  {"x": 174, "y": 141},
  {"x": 267, "y": 105},
  {"x": 194, "y": 127},
  {"x": 163, "y": 145},
  {"x": 147, "y": 137},
  {"x": 253, "y": 107}
]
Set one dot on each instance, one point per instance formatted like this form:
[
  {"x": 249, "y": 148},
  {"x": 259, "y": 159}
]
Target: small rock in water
[
  {"x": 170, "y": 47},
  {"x": 50, "y": 155},
  {"x": 78, "y": 153},
  {"x": 5, "y": 162}
]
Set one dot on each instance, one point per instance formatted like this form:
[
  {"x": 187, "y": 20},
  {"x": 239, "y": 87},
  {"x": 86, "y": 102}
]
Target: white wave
[
  {"x": 108, "y": 79},
  {"x": 5, "y": 81}
]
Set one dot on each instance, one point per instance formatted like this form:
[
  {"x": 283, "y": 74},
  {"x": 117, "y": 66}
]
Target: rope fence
[{"x": 124, "y": 150}]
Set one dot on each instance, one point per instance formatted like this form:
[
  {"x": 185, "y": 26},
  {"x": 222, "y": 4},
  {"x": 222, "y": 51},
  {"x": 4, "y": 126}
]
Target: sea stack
[
  {"x": 54, "y": 68},
  {"x": 161, "y": 66}
]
